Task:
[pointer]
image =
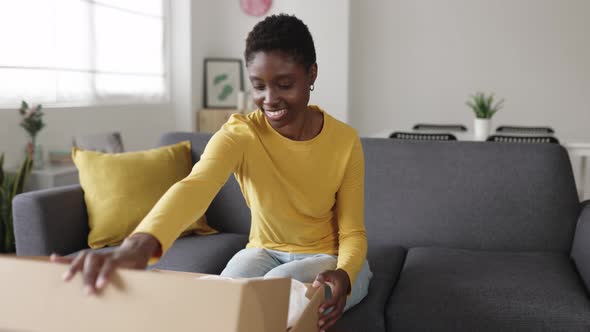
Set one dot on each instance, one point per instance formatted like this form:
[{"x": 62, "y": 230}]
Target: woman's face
[{"x": 280, "y": 86}]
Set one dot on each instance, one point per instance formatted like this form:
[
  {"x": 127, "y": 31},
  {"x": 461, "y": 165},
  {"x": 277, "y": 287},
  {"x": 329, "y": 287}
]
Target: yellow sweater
[{"x": 304, "y": 196}]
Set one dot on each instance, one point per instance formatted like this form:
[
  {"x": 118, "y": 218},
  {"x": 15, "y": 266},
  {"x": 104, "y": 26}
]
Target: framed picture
[{"x": 223, "y": 81}]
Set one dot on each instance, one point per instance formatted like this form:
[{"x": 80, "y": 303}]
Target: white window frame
[{"x": 165, "y": 100}]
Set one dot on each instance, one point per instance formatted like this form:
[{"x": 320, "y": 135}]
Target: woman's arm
[
  {"x": 352, "y": 249},
  {"x": 180, "y": 206},
  {"x": 350, "y": 209},
  {"x": 188, "y": 199}
]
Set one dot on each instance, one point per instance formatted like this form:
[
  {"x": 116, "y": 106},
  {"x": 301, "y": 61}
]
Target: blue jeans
[{"x": 258, "y": 262}]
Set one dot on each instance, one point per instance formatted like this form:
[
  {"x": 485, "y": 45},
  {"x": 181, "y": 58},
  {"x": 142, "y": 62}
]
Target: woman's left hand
[{"x": 339, "y": 283}]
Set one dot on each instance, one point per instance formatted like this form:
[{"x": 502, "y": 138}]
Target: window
[{"x": 82, "y": 51}]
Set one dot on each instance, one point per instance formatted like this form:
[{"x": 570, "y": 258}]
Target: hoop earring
[{"x": 311, "y": 87}]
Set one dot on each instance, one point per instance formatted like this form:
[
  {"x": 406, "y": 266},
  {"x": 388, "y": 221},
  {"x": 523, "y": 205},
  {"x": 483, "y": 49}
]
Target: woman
[{"x": 301, "y": 172}]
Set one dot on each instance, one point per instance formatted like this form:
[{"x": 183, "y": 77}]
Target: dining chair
[
  {"x": 108, "y": 142},
  {"x": 440, "y": 127},
  {"x": 525, "y": 130},
  {"x": 522, "y": 139},
  {"x": 423, "y": 136}
]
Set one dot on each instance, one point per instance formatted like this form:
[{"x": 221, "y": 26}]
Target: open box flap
[
  {"x": 310, "y": 316},
  {"x": 264, "y": 305}
]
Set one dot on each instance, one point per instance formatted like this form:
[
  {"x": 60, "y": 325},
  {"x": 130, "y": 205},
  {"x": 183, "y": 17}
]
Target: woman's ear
[{"x": 313, "y": 73}]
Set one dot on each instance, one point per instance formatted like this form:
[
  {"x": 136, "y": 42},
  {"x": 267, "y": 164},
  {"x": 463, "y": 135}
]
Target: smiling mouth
[{"x": 275, "y": 114}]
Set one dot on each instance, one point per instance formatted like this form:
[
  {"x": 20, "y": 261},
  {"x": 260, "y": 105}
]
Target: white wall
[
  {"x": 418, "y": 61},
  {"x": 226, "y": 28},
  {"x": 140, "y": 126},
  {"x": 181, "y": 81}
]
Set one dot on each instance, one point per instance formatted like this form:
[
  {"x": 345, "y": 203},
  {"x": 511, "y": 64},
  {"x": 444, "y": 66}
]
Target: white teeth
[{"x": 275, "y": 114}]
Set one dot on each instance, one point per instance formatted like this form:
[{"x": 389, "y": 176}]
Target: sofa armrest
[
  {"x": 50, "y": 221},
  {"x": 581, "y": 246}
]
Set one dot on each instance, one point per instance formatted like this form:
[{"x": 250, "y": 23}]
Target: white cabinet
[{"x": 52, "y": 176}]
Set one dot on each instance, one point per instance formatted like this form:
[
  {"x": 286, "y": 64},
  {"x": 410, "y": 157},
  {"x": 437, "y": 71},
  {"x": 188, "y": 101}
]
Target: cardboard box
[{"x": 35, "y": 298}]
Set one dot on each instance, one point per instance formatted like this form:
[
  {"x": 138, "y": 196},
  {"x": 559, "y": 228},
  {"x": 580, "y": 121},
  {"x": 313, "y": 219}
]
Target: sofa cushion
[
  {"x": 471, "y": 195},
  {"x": 462, "y": 290},
  {"x": 386, "y": 263},
  {"x": 199, "y": 253},
  {"x": 203, "y": 254},
  {"x": 581, "y": 247},
  {"x": 120, "y": 189}
]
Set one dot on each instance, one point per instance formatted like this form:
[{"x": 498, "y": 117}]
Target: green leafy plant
[
  {"x": 483, "y": 106},
  {"x": 10, "y": 186}
]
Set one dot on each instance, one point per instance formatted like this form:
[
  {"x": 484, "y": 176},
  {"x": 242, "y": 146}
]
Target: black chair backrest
[
  {"x": 423, "y": 136},
  {"x": 526, "y": 130},
  {"x": 522, "y": 139},
  {"x": 440, "y": 127}
]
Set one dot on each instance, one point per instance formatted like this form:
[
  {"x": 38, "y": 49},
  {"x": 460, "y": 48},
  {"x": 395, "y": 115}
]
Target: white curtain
[{"x": 82, "y": 51}]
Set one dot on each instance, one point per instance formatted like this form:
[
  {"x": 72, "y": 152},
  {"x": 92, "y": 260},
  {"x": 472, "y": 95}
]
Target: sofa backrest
[{"x": 473, "y": 195}]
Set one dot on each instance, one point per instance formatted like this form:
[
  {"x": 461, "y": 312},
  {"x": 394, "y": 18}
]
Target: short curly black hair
[{"x": 285, "y": 33}]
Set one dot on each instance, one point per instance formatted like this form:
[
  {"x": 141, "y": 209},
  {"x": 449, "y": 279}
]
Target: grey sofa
[{"x": 463, "y": 236}]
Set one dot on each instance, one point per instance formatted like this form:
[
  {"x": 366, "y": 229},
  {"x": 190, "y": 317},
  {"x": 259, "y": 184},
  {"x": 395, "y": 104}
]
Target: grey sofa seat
[
  {"x": 466, "y": 290},
  {"x": 386, "y": 263},
  {"x": 195, "y": 253},
  {"x": 203, "y": 254}
]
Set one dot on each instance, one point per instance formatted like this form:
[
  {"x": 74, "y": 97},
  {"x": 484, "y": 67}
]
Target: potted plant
[
  {"x": 32, "y": 122},
  {"x": 484, "y": 108},
  {"x": 10, "y": 186}
]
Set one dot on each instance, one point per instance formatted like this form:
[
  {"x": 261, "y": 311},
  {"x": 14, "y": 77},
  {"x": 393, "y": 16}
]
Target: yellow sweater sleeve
[
  {"x": 350, "y": 203},
  {"x": 188, "y": 199}
]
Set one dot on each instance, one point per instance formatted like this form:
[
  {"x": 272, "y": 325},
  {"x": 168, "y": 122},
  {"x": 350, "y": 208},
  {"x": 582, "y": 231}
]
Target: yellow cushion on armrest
[{"x": 120, "y": 189}]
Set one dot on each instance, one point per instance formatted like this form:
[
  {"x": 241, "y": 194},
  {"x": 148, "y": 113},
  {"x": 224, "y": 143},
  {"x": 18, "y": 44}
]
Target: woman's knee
[
  {"x": 251, "y": 254},
  {"x": 248, "y": 263},
  {"x": 304, "y": 270},
  {"x": 360, "y": 288},
  {"x": 282, "y": 272}
]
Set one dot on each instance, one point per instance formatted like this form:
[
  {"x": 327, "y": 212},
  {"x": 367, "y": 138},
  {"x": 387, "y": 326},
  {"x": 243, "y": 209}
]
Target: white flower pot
[{"x": 481, "y": 129}]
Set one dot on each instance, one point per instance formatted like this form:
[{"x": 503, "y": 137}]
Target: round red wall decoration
[{"x": 255, "y": 7}]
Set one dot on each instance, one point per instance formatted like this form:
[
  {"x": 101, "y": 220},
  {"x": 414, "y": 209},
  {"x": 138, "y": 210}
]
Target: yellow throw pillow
[{"x": 120, "y": 189}]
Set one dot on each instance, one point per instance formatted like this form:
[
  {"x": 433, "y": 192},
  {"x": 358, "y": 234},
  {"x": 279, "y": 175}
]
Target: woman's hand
[
  {"x": 339, "y": 283},
  {"x": 96, "y": 267}
]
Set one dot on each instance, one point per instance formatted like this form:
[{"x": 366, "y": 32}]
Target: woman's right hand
[{"x": 97, "y": 267}]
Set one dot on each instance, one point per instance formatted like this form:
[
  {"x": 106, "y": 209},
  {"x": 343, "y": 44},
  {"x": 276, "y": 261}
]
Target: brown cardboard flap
[
  {"x": 270, "y": 297},
  {"x": 306, "y": 323},
  {"x": 310, "y": 316},
  {"x": 182, "y": 273},
  {"x": 37, "y": 299}
]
